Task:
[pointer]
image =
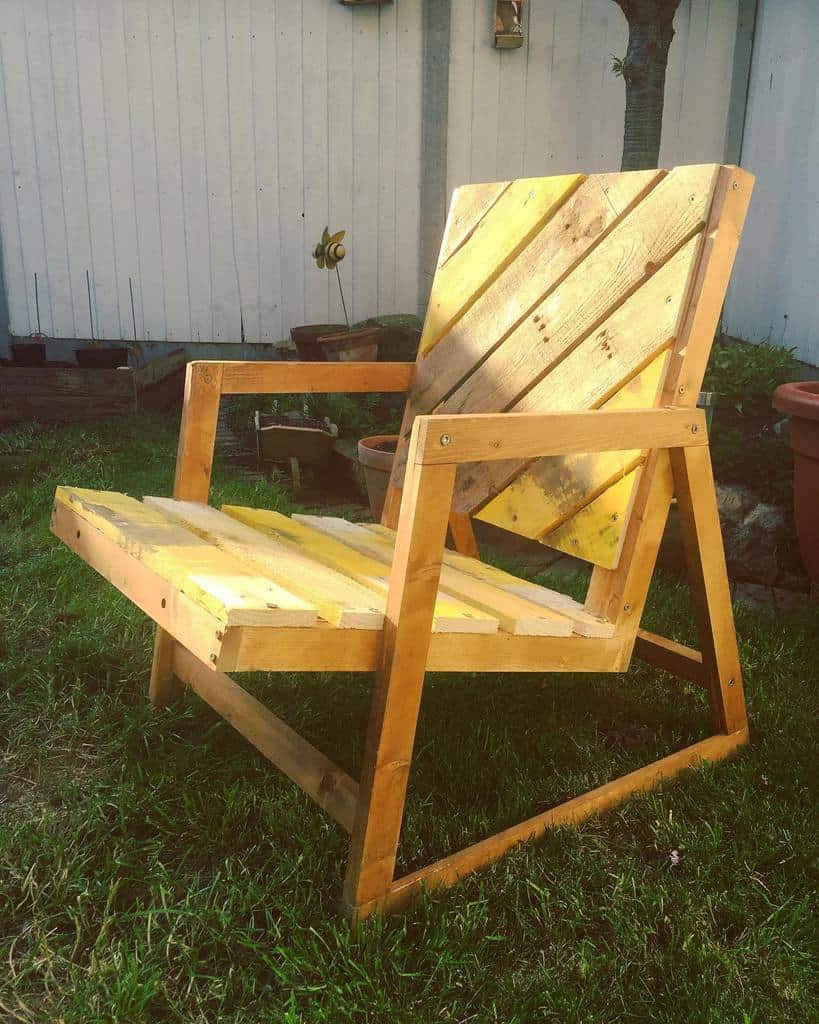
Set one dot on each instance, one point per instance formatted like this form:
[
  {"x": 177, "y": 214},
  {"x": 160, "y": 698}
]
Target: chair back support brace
[{"x": 568, "y": 331}]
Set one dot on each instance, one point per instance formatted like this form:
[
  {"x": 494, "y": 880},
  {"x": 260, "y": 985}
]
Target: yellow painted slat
[
  {"x": 553, "y": 489},
  {"x": 469, "y": 204},
  {"x": 595, "y": 532},
  {"x": 451, "y": 615},
  {"x": 636, "y": 332},
  {"x": 519, "y": 213},
  {"x": 340, "y": 600},
  {"x": 215, "y": 581},
  {"x": 585, "y": 624},
  {"x": 516, "y": 614}
]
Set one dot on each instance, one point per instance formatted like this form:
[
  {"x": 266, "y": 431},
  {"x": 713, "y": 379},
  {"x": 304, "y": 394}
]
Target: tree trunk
[{"x": 650, "y": 31}]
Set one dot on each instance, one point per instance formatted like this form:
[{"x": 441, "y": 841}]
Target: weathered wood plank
[
  {"x": 516, "y": 614},
  {"x": 219, "y": 584},
  {"x": 340, "y": 600},
  {"x": 642, "y": 327},
  {"x": 451, "y": 615},
  {"x": 469, "y": 205},
  {"x": 582, "y": 222},
  {"x": 654, "y": 230},
  {"x": 519, "y": 213},
  {"x": 553, "y": 489}
]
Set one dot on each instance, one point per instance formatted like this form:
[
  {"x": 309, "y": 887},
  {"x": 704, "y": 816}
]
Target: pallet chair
[{"x": 568, "y": 330}]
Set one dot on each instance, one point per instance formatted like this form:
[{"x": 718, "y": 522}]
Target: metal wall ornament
[{"x": 508, "y": 24}]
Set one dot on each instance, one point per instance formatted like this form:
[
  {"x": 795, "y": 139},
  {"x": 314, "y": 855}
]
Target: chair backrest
[{"x": 570, "y": 293}]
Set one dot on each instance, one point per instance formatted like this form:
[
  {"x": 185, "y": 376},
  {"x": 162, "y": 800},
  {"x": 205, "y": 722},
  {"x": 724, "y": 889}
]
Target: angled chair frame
[{"x": 421, "y": 512}]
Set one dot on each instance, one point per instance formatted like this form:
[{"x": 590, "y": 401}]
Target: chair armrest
[
  {"x": 286, "y": 378},
  {"x": 483, "y": 437}
]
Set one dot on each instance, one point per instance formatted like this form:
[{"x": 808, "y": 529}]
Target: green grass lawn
[{"x": 153, "y": 867}]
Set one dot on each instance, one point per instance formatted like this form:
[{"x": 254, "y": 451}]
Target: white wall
[
  {"x": 198, "y": 147},
  {"x": 555, "y": 106},
  {"x": 775, "y": 288}
]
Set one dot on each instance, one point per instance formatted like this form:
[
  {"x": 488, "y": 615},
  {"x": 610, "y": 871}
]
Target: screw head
[
  {"x": 681, "y": 389},
  {"x": 213, "y": 658},
  {"x": 735, "y": 185},
  {"x": 695, "y": 428},
  {"x": 626, "y": 607},
  {"x": 445, "y": 440},
  {"x": 731, "y": 682}
]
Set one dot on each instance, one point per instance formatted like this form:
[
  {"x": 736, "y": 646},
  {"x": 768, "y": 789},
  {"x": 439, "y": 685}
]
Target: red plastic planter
[{"x": 801, "y": 401}]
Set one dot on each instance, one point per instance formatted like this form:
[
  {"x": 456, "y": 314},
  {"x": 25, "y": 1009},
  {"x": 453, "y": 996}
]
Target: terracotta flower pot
[
  {"x": 801, "y": 401},
  {"x": 376, "y": 455},
  {"x": 306, "y": 338}
]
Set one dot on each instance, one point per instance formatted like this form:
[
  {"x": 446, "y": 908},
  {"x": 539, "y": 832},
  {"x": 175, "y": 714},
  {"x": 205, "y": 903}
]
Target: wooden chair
[{"x": 554, "y": 394}]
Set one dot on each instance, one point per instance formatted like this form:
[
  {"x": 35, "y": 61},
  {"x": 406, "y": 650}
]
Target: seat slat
[
  {"x": 216, "y": 582},
  {"x": 451, "y": 615},
  {"x": 516, "y": 614},
  {"x": 341, "y": 601},
  {"x": 585, "y": 624}
]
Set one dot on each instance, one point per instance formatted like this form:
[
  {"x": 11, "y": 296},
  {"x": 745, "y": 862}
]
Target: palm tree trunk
[{"x": 650, "y": 31}]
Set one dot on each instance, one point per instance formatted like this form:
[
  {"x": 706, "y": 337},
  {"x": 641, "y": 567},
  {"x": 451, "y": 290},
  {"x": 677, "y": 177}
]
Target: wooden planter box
[{"x": 64, "y": 393}]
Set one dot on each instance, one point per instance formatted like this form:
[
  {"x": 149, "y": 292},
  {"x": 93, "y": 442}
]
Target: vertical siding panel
[
  {"x": 54, "y": 285},
  {"x": 243, "y": 164},
  {"x": 225, "y": 304},
  {"x": 103, "y": 271},
  {"x": 364, "y": 239},
  {"x": 290, "y": 148},
  {"x": 14, "y": 271},
  {"x": 24, "y": 155},
  {"x": 169, "y": 170},
  {"x": 773, "y": 289},
  {"x": 316, "y": 186},
  {"x": 117, "y": 122},
  {"x": 512, "y": 100},
  {"x": 461, "y": 73},
  {"x": 387, "y": 151},
  {"x": 63, "y": 67},
  {"x": 193, "y": 166},
  {"x": 485, "y": 112},
  {"x": 143, "y": 157},
  {"x": 409, "y": 157},
  {"x": 265, "y": 68},
  {"x": 537, "y": 123},
  {"x": 340, "y": 140}
]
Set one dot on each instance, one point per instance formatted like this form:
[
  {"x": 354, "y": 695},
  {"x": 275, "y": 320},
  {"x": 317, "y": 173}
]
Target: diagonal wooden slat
[
  {"x": 551, "y": 490},
  {"x": 582, "y": 222},
  {"x": 519, "y": 213},
  {"x": 644, "y": 325},
  {"x": 626, "y": 259},
  {"x": 469, "y": 205}
]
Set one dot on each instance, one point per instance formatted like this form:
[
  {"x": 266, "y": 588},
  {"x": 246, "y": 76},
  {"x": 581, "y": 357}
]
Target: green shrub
[{"x": 738, "y": 370}]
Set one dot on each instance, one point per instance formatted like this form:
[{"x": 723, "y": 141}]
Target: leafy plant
[{"x": 739, "y": 370}]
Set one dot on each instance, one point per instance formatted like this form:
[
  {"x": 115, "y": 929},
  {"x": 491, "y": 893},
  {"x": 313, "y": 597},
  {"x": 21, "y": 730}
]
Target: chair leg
[
  {"x": 397, "y": 696},
  {"x": 708, "y": 576},
  {"x": 164, "y": 687}
]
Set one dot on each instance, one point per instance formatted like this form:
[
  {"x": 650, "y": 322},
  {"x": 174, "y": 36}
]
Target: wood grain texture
[
  {"x": 451, "y": 615},
  {"x": 338, "y": 598},
  {"x": 222, "y": 585},
  {"x": 284, "y": 378},
  {"x": 520, "y": 212},
  {"x": 397, "y": 695},
  {"x": 515, "y": 614}
]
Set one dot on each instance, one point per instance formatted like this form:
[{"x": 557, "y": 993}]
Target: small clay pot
[
  {"x": 306, "y": 338},
  {"x": 375, "y": 456},
  {"x": 801, "y": 401}
]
